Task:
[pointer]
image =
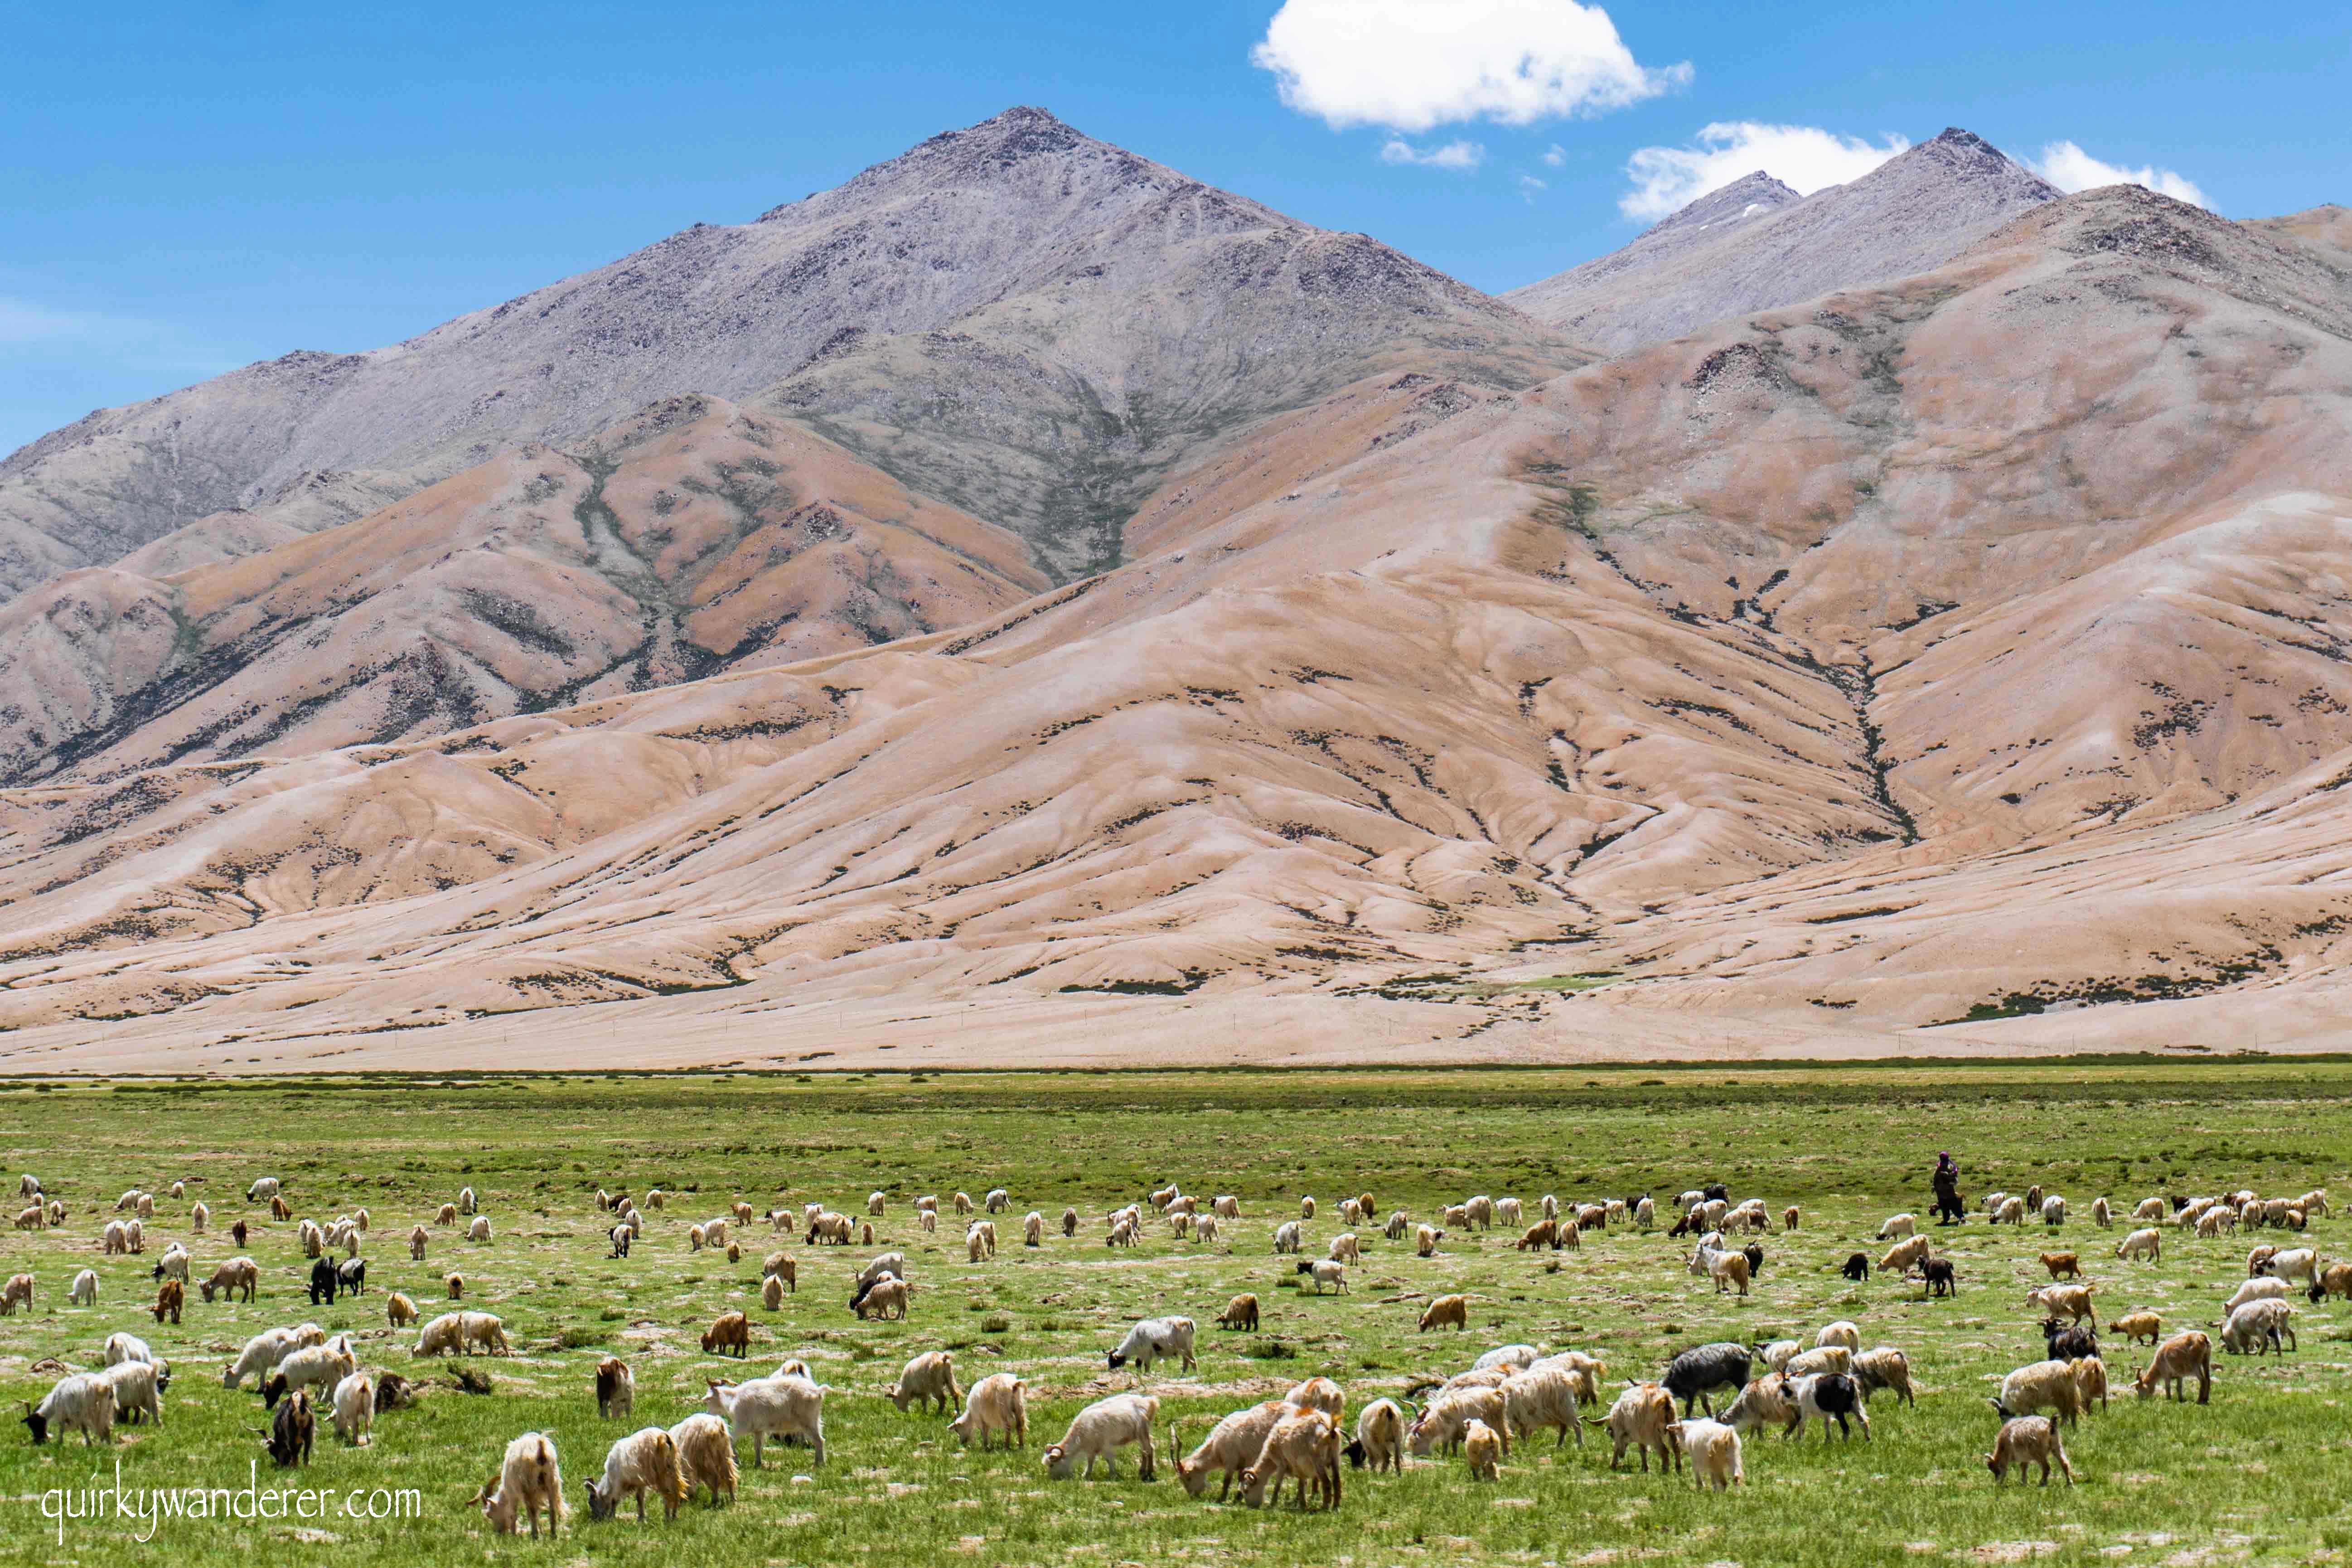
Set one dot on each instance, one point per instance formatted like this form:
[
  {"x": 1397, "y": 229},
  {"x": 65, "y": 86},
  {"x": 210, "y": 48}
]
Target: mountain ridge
[
  {"x": 1009, "y": 248},
  {"x": 1914, "y": 211},
  {"x": 1794, "y": 672}
]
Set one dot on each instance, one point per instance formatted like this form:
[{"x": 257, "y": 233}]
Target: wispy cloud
[
  {"x": 27, "y": 322},
  {"x": 1801, "y": 157},
  {"x": 1556, "y": 156},
  {"x": 1529, "y": 185},
  {"x": 1462, "y": 156},
  {"x": 2071, "y": 169},
  {"x": 1412, "y": 65}
]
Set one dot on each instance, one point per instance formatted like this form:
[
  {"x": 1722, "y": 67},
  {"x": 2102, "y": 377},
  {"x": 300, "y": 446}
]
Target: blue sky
[{"x": 186, "y": 188}]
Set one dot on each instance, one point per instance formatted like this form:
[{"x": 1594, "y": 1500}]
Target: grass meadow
[{"x": 2263, "y": 1474}]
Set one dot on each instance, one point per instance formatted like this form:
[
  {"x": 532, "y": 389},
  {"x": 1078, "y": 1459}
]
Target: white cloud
[
  {"x": 2071, "y": 169},
  {"x": 1528, "y": 187},
  {"x": 1556, "y": 156},
  {"x": 1801, "y": 157},
  {"x": 1414, "y": 65},
  {"x": 1453, "y": 155}
]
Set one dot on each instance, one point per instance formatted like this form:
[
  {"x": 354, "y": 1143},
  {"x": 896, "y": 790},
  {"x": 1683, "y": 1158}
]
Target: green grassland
[{"x": 2263, "y": 1474}]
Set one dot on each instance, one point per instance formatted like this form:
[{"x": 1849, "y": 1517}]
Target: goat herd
[{"x": 1511, "y": 1393}]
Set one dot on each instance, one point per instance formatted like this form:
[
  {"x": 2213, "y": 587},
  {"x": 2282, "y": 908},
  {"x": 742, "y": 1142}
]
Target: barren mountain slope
[
  {"x": 692, "y": 538},
  {"x": 303, "y": 505},
  {"x": 2325, "y": 231},
  {"x": 1083, "y": 312},
  {"x": 1649, "y": 670},
  {"x": 1753, "y": 245}
]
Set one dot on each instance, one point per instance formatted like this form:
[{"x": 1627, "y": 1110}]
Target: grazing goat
[
  {"x": 1698, "y": 1373},
  {"x": 2259, "y": 1328},
  {"x": 264, "y": 1350},
  {"x": 2064, "y": 1341},
  {"x": 292, "y": 1431},
  {"x": 643, "y": 1461},
  {"x": 706, "y": 1456},
  {"x": 81, "y": 1402},
  {"x": 1827, "y": 1397},
  {"x": 729, "y": 1331},
  {"x": 1548, "y": 1397},
  {"x": 529, "y": 1481},
  {"x": 1303, "y": 1448},
  {"x": 1713, "y": 1449},
  {"x": 1639, "y": 1420},
  {"x": 1884, "y": 1367},
  {"x": 1905, "y": 1255},
  {"x": 353, "y": 1407},
  {"x": 1726, "y": 1269},
  {"x": 617, "y": 1389},
  {"x": 1240, "y": 1312},
  {"x": 1098, "y": 1431},
  {"x": 1454, "y": 1311},
  {"x": 787, "y": 1406},
  {"x": 1482, "y": 1452},
  {"x": 138, "y": 1387},
  {"x": 1380, "y": 1437},
  {"x": 1325, "y": 1272},
  {"x": 1155, "y": 1340},
  {"x": 1229, "y": 1448},
  {"x": 2090, "y": 1380},
  {"x": 2071, "y": 1302},
  {"x": 2043, "y": 1385},
  {"x": 929, "y": 1378},
  {"x": 1446, "y": 1419},
  {"x": 998, "y": 1403},
  {"x": 2027, "y": 1440}
]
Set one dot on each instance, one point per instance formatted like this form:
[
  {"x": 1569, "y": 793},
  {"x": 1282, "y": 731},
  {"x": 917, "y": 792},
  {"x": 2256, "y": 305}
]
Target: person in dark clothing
[{"x": 1948, "y": 1210}]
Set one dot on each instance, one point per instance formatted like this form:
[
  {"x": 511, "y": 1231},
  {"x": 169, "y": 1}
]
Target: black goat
[
  {"x": 2069, "y": 1342},
  {"x": 1941, "y": 1278},
  {"x": 291, "y": 1430},
  {"x": 1698, "y": 1373},
  {"x": 1857, "y": 1266},
  {"x": 323, "y": 1281}
]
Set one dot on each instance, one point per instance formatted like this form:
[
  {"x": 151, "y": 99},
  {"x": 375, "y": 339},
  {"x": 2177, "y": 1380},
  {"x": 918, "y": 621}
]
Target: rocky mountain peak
[
  {"x": 1965, "y": 159},
  {"x": 1750, "y": 196},
  {"x": 1018, "y": 148},
  {"x": 1914, "y": 211}
]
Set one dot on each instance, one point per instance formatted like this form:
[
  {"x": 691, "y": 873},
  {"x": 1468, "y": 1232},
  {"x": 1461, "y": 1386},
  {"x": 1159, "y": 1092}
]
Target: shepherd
[{"x": 1949, "y": 1209}]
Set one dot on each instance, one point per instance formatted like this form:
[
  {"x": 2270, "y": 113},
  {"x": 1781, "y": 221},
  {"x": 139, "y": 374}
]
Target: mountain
[
  {"x": 1015, "y": 317},
  {"x": 1754, "y": 245},
  {"x": 1884, "y": 672},
  {"x": 694, "y": 537}
]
